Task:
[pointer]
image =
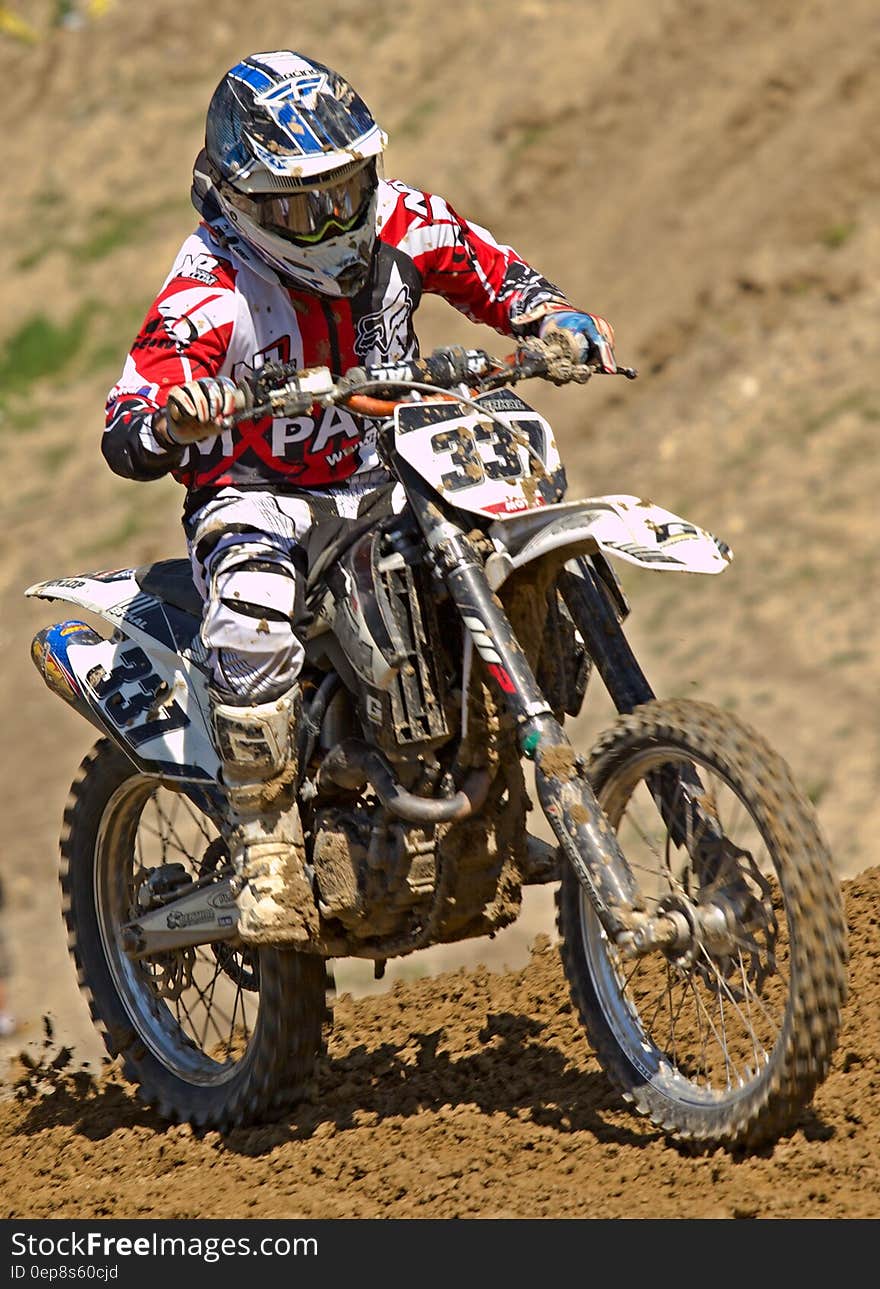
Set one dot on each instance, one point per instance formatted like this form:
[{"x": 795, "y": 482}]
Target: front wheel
[
  {"x": 218, "y": 1035},
  {"x": 728, "y": 1042}
]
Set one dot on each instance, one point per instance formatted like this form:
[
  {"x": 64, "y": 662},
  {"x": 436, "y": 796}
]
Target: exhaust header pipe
[{"x": 352, "y": 764}]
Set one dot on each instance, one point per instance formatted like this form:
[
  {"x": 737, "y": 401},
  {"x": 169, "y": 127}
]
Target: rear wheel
[
  {"x": 728, "y": 1041},
  {"x": 218, "y": 1035}
]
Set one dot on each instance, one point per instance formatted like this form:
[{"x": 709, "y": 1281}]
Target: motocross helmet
[{"x": 294, "y": 155}]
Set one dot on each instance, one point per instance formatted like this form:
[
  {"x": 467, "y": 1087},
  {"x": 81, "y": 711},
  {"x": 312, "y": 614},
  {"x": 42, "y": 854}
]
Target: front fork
[
  {"x": 586, "y": 838},
  {"x": 565, "y": 793}
]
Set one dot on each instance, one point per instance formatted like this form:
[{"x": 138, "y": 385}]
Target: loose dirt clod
[{"x": 559, "y": 762}]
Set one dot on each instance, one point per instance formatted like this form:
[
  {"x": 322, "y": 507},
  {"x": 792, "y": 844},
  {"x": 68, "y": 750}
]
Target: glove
[
  {"x": 193, "y": 411},
  {"x": 590, "y": 337}
]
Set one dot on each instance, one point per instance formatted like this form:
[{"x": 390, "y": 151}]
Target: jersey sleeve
[
  {"x": 185, "y": 335},
  {"x": 463, "y": 263}
]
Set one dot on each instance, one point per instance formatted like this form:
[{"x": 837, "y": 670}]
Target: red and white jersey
[{"x": 223, "y": 311}]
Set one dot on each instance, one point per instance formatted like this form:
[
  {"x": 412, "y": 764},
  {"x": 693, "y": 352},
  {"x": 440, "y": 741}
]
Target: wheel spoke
[
  {"x": 170, "y": 830},
  {"x": 772, "y": 1020},
  {"x": 643, "y": 836},
  {"x": 719, "y": 1035},
  {"x": 196, "y": 817},
  {"x": 212, "y": 985},
  {"x": 701, "y": 1030},
  {"x": 156, "y": 832},
  {"x": 748, "y": 1001},
  {"x": 727, "y": 1005}
]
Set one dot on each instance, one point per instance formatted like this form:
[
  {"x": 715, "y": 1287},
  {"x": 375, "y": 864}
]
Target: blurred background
[{"x": 705, "y": 176}]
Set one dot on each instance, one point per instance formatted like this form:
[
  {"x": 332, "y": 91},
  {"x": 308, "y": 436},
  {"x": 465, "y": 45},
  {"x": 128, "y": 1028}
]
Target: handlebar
[{"x": 283, "y": 389}]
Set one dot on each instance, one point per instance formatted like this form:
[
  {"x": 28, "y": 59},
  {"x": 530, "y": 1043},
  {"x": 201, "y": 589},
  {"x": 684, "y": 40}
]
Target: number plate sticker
[
  {"x": 135, "y": 699},
  {"x": 495, "y": 464}
]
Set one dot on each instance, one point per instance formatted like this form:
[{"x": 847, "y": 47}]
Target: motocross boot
[{"x": 256, "y": 746}]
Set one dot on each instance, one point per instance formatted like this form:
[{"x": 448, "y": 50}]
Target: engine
[{"x": 372, "y": 872}]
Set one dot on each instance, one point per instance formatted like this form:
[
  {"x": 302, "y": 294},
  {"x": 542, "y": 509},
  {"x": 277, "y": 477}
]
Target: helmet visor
[{"x": 312, "y": 213}]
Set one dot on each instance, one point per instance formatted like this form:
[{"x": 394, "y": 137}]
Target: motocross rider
[{"x": 304, "y": 253}]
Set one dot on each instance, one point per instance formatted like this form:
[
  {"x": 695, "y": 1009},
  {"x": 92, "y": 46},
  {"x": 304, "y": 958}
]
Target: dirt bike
[{"x": 700, "y": 922}]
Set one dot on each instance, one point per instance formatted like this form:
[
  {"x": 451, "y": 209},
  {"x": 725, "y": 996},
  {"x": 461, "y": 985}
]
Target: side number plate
[{"x": 132, "y": 691}]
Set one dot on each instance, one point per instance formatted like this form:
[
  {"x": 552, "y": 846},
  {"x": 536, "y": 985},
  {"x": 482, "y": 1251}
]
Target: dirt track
[
  {"x": 706, "y": 177},
  {"x": 469, "y": 1095}
]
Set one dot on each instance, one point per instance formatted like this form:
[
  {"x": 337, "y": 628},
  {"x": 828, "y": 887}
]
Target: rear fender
[{"x": 146, "y": 686}]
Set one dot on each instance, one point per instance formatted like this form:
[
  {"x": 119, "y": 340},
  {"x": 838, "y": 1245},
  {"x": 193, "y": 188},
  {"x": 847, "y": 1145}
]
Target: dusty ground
[
  {"x": 468, "y": 1095},
  {"x": 706, "y": 177}
]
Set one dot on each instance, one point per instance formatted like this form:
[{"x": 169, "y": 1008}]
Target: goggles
[{"x": 311, "y": 214}]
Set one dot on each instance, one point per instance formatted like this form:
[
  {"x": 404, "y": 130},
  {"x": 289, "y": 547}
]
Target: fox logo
[{"x": 383, "y": 336}]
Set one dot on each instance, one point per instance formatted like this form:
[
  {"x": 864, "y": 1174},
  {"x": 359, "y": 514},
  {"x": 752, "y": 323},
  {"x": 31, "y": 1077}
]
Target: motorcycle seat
[{"x": 171, "y": 581}]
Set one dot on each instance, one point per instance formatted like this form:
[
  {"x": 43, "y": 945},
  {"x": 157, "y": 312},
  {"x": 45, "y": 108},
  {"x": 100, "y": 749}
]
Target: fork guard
[{"x": 585, "y": 836}]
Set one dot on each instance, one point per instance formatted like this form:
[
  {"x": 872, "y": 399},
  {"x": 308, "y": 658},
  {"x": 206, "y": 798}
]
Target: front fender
[{"x": 627, "y": 527}]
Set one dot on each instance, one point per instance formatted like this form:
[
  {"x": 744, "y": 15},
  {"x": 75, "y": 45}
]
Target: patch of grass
[
  {"x": 837, "y": 235},
  {"x": 844, "y": 657},
  {"x": 63, "y": 10},
  {"x": 42, "y": 349},
  {"x": 800, "y": 285},
  {"x": 526, "y": 137},
  {"x": 110, "y": 230},
  {"x": 128, "y": 527},
  {"x": 803, "y": 574},
  {"x": 816, "y": 790},
  {"x": 862, "y": 401},
  {"x": 116, "y": 330},
  {"x": 531, "y": 134},
  {"x": 105, "y": 356},
  {"x": 27, "y": 501},
  {"x": 33, "y": 257},
  {"x": 413, "y": 124},
  {"x": 55, "y": 456},
  {"x": 39, "y": 348},
  {"x": 49, "y": 216},
  {"x": 48, "y": 199},
  {"x": 19, "y": 417}
]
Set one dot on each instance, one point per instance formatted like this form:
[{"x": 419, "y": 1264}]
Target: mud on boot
[
  {"x": 275, "y": 901},
  {"x": 256, "y": 747}
]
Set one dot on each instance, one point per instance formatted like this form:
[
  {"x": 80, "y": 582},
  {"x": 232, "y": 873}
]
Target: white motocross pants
[{"x": 249, "y": 566}]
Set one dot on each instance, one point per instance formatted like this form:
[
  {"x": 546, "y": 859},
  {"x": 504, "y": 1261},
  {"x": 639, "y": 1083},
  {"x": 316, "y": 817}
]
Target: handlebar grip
[{"x": 454, "y": 365}]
